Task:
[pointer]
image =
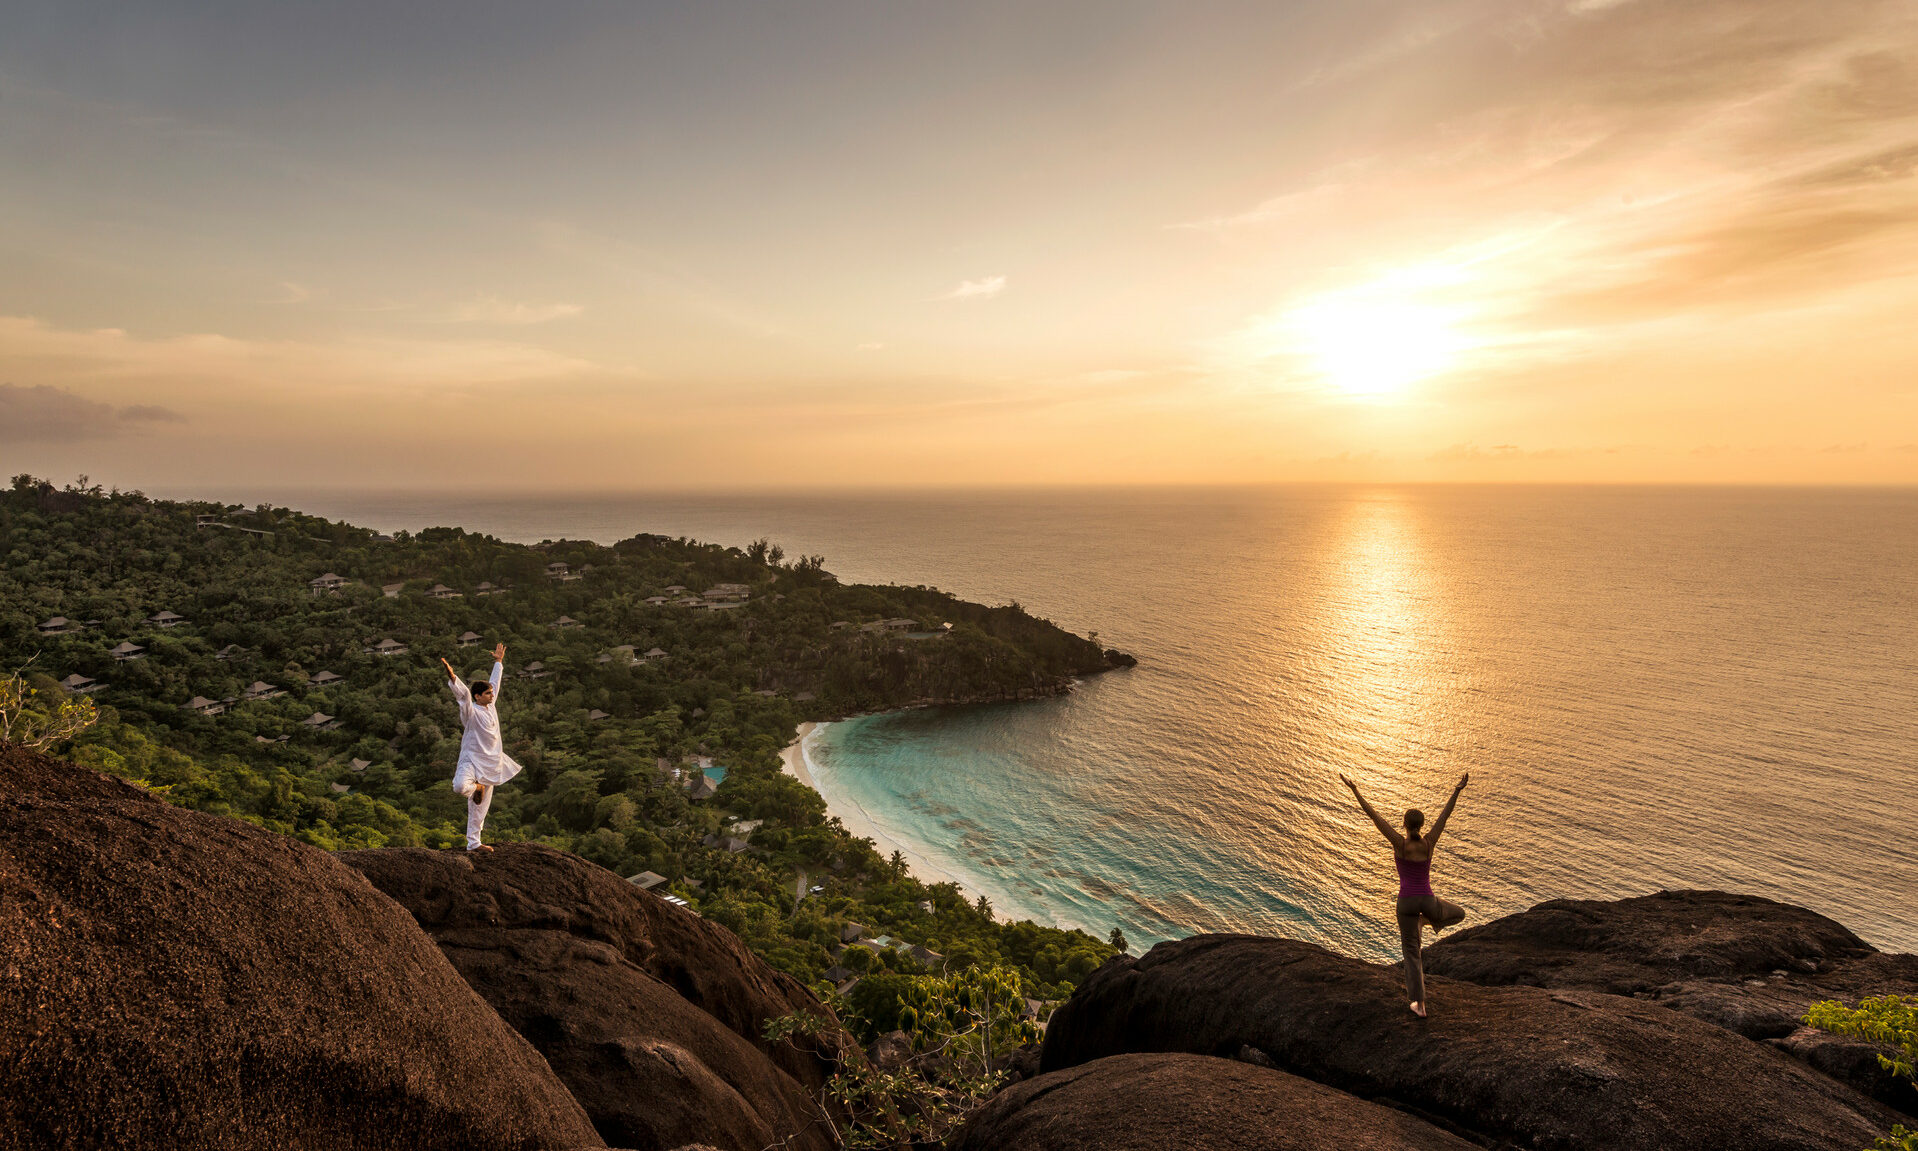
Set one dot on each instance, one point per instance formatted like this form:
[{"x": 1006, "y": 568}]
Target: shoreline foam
[{"x": 799, "y": 765}]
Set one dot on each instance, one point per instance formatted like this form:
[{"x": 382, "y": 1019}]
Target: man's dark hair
[{"x": 480, "y": 685}]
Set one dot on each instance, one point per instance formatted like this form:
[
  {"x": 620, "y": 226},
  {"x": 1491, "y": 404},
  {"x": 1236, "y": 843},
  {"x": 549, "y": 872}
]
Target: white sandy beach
[{"x": 854, "y": 816}]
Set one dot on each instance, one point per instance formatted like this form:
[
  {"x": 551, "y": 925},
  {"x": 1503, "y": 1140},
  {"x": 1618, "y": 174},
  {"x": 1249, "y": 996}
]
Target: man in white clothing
[{"x": 483, "y": 763}]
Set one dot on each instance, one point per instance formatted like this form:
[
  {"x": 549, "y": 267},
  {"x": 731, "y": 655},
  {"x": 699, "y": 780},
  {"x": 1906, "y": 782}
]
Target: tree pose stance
[
  {"x": 483, "y": 763},
  {"x": 1412, "y": 853}
]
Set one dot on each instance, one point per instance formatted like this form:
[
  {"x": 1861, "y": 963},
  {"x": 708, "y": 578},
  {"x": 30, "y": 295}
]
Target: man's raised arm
[{"x": 460, "y": 691}]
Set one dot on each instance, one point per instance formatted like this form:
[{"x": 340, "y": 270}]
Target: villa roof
[
  {"x": 359, "y": 764},
  {"x": 317, "y": 719},
  {"x": 127, "y": 647},
  {"x": 595, "y": 715},
  {"x": 325, "y": 677},
  {"x": 470, "y": 635},
  {"x": 646, "y": 880},
  {"x": 200, "y": 701},
  {"x": 655, "y": 653},
  {"x": 164, "y": 617},
  {"x": 76, "y": 680}
]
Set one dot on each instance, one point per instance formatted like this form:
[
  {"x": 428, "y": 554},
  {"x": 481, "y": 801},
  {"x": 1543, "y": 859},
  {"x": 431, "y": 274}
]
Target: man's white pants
[{"x": 476, "y": 805}]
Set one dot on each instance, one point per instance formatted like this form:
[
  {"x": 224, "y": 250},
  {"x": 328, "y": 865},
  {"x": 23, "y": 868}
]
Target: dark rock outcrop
[
  {"x": 174, "y": 979},
  {"x": 653, "y": 1016},
  {"x": 1508, "y": 1065},
  {"x": 1748, "y": 964},
  {"x": 1188, "y": 1103}
]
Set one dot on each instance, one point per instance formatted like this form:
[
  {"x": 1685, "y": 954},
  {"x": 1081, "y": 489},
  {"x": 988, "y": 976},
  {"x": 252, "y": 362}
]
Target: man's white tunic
[{"x": 482, "y": 759}]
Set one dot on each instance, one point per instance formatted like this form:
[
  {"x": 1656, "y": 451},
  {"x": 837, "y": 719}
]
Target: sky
[{"x": 728, "y": 245}]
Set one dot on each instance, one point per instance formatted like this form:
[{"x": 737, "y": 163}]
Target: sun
[{"x": 1374, "y": 349}]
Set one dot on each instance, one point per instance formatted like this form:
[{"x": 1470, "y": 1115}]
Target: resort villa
[
  {"x": 127, "y": 650},
  {"x": 166, "y": 619},
  {"x": 387, "y": 647},
  {"x": 59, "y": 625},
  {"x": 328, "y": 584},
  {"x": 78, "y": 684}
]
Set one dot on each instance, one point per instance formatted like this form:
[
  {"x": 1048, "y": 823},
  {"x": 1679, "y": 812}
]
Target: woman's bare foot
[{"x": 1418, "y": 1008}]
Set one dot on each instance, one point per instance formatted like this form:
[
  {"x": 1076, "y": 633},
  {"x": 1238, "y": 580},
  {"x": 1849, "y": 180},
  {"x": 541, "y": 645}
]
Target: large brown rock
[
  {"x": 1188, "y": 1103},
  {"x": 1519, "y": 1065},
  {"x": 653, "y": 1016},
  {"x": 174, "y": 979},
  {"x": 1748, "y": 964}
]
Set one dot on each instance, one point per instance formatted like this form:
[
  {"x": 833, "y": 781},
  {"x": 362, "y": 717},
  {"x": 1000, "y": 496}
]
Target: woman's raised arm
[
  {"x": 1438, "y": 826},
  {"x": 1386, "y": 829}
]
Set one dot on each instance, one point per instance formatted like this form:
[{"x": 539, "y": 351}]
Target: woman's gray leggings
[{"x": 1412, "y": 909}]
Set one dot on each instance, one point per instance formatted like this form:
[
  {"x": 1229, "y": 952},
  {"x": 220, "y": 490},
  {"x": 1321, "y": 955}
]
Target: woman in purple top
[{"x": 1412, "y": 853}]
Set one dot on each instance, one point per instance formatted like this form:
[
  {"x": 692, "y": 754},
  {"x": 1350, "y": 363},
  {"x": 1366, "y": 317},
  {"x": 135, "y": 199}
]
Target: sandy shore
[{"x": 852, "y": 815}]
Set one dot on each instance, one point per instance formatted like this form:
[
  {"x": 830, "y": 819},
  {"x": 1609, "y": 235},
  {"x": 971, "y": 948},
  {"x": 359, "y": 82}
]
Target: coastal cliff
[
  {"x": 181, "y": 979},
  {"x": 175, "y": 979}
]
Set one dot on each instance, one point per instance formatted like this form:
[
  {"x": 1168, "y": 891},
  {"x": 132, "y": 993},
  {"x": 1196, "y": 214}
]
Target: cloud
[
  {"x": 111, "y": 356},
  {"x": 42, "y": 414},
  {"x": 984, "y": 288},
  {"x": 1512, "y": 453},
  {"x": 149, "y": 414},
  {"x": 493, "y": 310}
]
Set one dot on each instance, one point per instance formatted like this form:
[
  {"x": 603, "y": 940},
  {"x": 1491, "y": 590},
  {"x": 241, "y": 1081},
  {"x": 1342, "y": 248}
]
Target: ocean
[{"x": 1652, "y": 687}]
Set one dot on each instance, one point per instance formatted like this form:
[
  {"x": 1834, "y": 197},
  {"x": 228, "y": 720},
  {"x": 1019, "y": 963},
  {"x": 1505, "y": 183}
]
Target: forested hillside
[{"x": 319, "y": 709}]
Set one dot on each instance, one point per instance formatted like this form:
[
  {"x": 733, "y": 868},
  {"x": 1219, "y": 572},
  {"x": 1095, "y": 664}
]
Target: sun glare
[{"x": 1375, "y": 349}]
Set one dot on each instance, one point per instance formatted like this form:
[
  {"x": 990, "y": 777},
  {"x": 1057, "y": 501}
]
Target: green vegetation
[
  {"x": 958, "y": 1032},
  {"x": 1890, "y": 1021},
  {"x": 269, "y": 704}
]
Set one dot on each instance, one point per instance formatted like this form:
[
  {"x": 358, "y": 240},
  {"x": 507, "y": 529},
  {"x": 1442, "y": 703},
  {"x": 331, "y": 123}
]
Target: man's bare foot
[
  {"x": 1418, "y": 1009},
  {"x": 481, "y": 847}
]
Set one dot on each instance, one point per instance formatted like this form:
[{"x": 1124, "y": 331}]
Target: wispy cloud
[
  {"x": 113, "y": 356},
  {"x": 984, "y": 288},
  {"x": 493, "y": 310}
]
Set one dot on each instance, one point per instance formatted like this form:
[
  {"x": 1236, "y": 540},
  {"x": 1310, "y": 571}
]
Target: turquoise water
[{"x": 1652, "y": 687}]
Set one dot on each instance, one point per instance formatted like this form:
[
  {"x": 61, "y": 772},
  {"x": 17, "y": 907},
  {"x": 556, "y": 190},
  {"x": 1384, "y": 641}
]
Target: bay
[{"x": 1652, "y": 688}]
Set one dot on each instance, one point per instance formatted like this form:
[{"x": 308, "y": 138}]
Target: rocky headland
[{"x": 173, "y": 978}]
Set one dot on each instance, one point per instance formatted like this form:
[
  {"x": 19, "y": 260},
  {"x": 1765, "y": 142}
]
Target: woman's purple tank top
[{"x": 1415, "y": 877}]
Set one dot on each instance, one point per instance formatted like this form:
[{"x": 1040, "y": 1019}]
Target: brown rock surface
[
  {"x": 1516, "y": 1065},
  {"x": 1188, "y": 1103},
  {"x": 174, "y": 979},
  {"x": 1747, "y": 964},
  {"x": 653, "y": 1016}
]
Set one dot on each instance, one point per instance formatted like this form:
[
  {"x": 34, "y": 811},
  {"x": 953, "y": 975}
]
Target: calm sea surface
[{"x": 1652, "y": 688}]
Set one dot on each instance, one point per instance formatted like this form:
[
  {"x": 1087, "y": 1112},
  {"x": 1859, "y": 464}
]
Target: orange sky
[{"x": 905, "y": 244}]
